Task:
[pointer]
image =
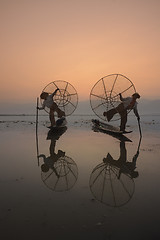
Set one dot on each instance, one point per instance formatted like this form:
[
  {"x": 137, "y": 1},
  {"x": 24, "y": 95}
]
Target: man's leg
[
  {"x": 60, "y": 113},
  {"x": 52, "y": 118},
  {"x": 109, "y": 114},
  {"x": 123, "y": 113},
  {"x": 55, "y": 108},
  {"x": 123, "y": 120}
]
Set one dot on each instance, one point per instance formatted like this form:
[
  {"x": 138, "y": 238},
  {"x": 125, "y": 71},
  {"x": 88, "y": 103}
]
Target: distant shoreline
[{"x": 82, "y": 114}]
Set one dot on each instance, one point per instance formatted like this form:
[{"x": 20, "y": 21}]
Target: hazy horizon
[{"x": 145, "y": 106}]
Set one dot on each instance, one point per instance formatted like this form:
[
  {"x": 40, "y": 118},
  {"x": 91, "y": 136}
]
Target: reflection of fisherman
[
  {"x": 127, "y": 103},
  {"x": 124, "y": 166},
  {"x": 52, "y": 159}
]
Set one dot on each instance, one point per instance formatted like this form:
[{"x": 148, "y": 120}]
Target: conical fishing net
[
  {"x": 109, "y": 186},
  {"x": 66, "y": 97},
  {"x": 105, "y": 94},
  {"x": 63, "y": 176}
]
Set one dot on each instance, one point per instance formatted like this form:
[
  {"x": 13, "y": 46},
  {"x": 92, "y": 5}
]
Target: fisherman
[
  {"x": 48, "y": 102},
  {"x": 128, "y": 103}
]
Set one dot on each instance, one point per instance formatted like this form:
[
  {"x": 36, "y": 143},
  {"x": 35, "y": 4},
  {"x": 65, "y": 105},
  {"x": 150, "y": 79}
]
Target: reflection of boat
[
  {"x": 63, "y": 176},
  {"x": 98, "y": 126},
  {"x": 111, "y": 182},
  {"x": 58, "y": 171},
  {"x": 55, "y": 134}
]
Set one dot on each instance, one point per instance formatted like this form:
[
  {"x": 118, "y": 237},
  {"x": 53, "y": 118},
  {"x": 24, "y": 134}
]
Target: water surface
[{"x": 84, "y": 185}]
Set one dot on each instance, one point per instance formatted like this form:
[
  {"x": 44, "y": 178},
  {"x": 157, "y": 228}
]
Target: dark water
[{"x": 84, "y": 185}]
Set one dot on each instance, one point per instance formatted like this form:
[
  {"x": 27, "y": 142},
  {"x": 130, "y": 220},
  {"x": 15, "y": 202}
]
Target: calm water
[{"x": 84, "y": 185}]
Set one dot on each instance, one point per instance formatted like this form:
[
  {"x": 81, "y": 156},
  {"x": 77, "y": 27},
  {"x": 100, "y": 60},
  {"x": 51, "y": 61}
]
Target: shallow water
[{"x": 92, "y": 184}]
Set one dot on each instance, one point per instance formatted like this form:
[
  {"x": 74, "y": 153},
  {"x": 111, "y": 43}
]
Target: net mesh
[
  {"x": 63, "y": 176},
  {"x": 105, "y": 94},
  {"x": 110, "y": 189},
  {"x": 66, "y": 98}
]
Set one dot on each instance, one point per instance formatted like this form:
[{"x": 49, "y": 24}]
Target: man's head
[
  {"x": 136, "y": 95},
  {"x": 44, "y": 168},
  {"x": 44, "y": 95}
]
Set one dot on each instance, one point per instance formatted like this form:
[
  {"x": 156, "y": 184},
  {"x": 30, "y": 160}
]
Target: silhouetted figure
[
  {"x": 48, "y": 102},
  {"x": 128, "y": 103}
]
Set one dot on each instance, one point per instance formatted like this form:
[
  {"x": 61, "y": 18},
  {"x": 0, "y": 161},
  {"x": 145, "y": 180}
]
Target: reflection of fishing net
[
  {"x": 63, "y": 176},
  {"x": 105, "y": 94},
  {"x": 108, "y": 187},
  {"x": 66, "y": 98}
]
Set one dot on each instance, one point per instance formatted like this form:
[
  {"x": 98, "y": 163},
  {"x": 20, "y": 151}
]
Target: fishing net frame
[
  {"x": 67, "y": 170},
  {"x": 105, "y": 94},
  {"x": 66, "y": 97},
  {"x": 110, "y": 189}
]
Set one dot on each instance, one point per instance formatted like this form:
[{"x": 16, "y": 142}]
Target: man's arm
[
  {"x": 136, "y": 113},
  {"x": 54, "y": 92},
  {"x": 42, "y": 155},
  {"x": 121, "y": 98},
  {"x": 41, "y": 108},
  {"x": 120, "y": 95}
]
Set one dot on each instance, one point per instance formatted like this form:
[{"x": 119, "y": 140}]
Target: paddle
[
  {"x": 139, "y": 127},
  {"x": 37, "y": 129}
]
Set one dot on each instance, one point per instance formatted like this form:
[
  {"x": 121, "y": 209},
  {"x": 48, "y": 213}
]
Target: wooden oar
[
  {"x": 139, "y": 128},
  {"x": 37, "y": 105}
]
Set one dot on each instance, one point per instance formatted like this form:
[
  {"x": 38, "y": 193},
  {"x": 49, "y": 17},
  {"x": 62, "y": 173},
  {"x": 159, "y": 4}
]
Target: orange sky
[{"x": 79, "y": 41}]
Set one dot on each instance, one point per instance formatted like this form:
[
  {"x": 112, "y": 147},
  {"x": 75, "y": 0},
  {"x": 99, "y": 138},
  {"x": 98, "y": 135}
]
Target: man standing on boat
[{"x": 128, "y": 103}]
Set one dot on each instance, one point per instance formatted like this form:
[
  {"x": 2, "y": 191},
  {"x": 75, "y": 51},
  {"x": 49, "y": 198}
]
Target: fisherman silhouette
[
  {"x": 126, "y": 104},
  {"x": 48, "y": 102}
]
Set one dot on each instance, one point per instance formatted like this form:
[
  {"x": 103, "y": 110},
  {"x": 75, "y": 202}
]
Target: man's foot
[{"x": 124, "y": 131}]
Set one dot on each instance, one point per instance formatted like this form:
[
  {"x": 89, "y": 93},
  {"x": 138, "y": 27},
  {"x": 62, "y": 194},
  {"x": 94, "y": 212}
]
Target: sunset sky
[{"x": 79, "y": 41}]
